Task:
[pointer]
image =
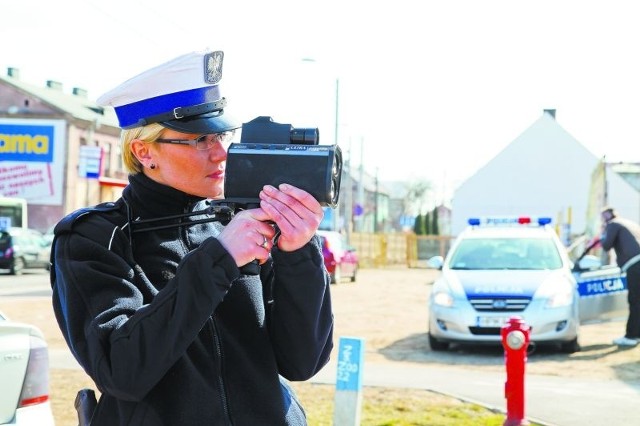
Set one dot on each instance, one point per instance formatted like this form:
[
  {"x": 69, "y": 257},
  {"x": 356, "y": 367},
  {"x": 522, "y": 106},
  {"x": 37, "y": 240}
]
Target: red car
[{"x": 340, "y": 259}]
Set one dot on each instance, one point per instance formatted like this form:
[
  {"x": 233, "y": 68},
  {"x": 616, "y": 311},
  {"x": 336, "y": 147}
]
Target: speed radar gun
[{"x": 271, "y": 153}]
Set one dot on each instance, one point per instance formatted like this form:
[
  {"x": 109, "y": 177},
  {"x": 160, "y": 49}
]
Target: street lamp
[{"x": 336, "y": 212}]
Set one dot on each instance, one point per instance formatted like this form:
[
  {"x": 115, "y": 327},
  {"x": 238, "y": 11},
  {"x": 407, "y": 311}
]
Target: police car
[{"x": 502, "y": 267}]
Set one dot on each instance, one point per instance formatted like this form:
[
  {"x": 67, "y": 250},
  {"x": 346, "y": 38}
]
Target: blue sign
[
  {"x": 599, "y": 286},
  {"x": 26, "y": 143},
  {"x": 327, "y": 220},
  {"x": 350, "y": 361},
  {"x": 90, "y": 158},
  {"x": 407, "y": 221},
  {"x": 5, "y": 222}
]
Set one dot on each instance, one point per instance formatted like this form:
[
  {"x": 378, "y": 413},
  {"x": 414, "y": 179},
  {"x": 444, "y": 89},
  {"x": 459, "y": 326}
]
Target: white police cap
[{"x": 182, "y": 94}]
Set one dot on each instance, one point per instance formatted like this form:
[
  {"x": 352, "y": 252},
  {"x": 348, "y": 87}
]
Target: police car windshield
[{"x": 506, "y": 253}]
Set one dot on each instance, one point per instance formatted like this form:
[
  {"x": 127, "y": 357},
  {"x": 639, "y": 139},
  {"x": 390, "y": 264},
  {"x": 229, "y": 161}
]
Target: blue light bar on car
[
  {"x": 544, "y": 221},
  {"x": 507, "y": 220}
]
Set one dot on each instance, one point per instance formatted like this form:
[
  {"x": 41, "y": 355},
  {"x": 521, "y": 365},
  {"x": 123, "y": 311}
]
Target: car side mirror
[
  {"x": 589, "y": 262},
  {"x": 435, "y": 262}
]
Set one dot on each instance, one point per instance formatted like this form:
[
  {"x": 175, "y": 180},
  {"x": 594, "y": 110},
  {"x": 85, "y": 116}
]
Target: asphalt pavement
[{"x": 549, "y": 400}]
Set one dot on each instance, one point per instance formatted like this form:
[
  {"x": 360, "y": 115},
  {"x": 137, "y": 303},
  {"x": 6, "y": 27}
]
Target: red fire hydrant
[{"x": 515, "y": 340}]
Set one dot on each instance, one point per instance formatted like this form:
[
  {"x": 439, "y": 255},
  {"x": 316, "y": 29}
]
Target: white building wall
[
  {"x": 543, "y": 172},
  {"x": 623, "y": 197}
]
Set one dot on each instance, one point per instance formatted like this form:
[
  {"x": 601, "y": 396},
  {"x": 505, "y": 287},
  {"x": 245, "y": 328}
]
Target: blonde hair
[{"x": 148, "y": 133}]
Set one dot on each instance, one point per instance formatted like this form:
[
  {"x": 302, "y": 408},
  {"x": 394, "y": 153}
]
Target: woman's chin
[{"x": 216, "y": 194}]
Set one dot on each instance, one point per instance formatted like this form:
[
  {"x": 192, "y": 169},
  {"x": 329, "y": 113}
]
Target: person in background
[
  {"x": 150, "y": 291},
  {"x": 623, "y": 237}
]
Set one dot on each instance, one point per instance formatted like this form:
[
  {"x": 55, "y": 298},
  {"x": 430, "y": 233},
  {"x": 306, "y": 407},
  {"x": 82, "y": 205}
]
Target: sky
[{"x": 422, "y": 90}]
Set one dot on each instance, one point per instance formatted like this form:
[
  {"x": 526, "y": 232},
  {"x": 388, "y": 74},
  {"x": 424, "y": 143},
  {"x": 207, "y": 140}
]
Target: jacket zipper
[
  {"x": 221, "y": 387},
  {"x": 214, "y": 331},
  {"x": 184, "y": 234}
]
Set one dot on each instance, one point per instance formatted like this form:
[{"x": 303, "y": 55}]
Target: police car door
[{"x": 602, "y": 290}]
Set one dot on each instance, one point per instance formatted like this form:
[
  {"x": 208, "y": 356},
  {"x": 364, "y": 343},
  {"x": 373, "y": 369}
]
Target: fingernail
[{"x": 284, "y": 187}]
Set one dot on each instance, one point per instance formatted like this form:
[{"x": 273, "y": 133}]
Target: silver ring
[{"x": 265, "y": 242}]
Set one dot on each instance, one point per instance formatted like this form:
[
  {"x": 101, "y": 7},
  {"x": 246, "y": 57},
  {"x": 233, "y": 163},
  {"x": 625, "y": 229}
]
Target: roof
[
  {"x": 540, "y": 173},
  {"x": 77, "y": 105},
  {"x": 630, "y": 172}
]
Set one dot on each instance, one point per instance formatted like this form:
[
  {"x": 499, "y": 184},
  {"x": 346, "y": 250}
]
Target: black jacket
[
  {"x": 623, "y": 236},
  {"x": 169, "y": 329}
]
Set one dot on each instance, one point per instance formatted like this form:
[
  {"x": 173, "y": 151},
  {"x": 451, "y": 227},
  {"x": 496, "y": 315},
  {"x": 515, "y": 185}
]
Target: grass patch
[{"x": 381, "y": 406}]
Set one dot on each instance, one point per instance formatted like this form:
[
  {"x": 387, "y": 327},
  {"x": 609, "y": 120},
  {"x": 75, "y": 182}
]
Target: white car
[
  {"x": 499, "y": 268},
  {"x": 24, "y": 375}
]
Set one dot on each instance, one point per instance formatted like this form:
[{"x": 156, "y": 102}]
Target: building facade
[{"x": 60, "y": 151}]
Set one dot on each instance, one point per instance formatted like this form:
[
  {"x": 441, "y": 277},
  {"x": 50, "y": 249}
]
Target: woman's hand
[
  {"x": 296, "y": 213},
  {"x": 248, "y": 236}
]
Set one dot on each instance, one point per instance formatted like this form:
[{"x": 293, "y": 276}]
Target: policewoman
[{"x": 152, "y": 298}]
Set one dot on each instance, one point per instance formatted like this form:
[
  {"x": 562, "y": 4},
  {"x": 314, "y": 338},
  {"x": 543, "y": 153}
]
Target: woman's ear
[{"x": 140, "y": 149}]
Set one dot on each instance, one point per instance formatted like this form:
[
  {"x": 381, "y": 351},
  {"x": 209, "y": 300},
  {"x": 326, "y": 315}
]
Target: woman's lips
[{"x": 216, "y": 175}]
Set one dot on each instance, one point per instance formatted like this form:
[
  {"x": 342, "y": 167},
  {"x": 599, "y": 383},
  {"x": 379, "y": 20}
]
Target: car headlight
[
  {"x": 443, "y": 298},
  {"x": 557, "y": 290},
  {"x": 560, "y": 298}
]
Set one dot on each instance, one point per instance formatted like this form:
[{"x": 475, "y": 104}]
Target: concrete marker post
[{"x": 348, "y": 398}]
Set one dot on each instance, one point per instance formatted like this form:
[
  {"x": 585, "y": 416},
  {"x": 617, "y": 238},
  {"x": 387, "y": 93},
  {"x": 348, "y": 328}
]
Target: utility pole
[
  {"x": 375, "y": 205},
  {"x": 348, "y": 207},
  {"x": 335, "y": 213},
  {"x": 360, "y": 227},
  {"x": 87, "y": 180},
  {"x": 335, "y": 141}
]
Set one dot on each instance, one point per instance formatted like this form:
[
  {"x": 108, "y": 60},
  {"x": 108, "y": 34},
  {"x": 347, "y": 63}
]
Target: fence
[{"x": 377, "y": 250}]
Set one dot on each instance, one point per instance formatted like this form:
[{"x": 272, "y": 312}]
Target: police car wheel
[
  {"x": 570, "y": 347},
  {"x": 437, "y": 345}
]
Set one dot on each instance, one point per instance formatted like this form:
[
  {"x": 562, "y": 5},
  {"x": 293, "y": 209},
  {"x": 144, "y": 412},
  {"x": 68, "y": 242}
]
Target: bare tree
[{"x": 417, "y": 197}]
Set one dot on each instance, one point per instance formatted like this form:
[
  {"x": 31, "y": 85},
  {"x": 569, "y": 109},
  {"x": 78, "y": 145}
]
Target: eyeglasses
[{"x": 203, "y": 142}]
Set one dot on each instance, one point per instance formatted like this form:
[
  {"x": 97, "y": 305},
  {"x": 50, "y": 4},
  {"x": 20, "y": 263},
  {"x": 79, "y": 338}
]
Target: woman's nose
[{"x": 218, "y": 152}]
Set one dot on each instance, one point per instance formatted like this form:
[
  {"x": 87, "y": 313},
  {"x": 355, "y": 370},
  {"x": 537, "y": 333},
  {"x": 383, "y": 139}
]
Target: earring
[{"x": 152, "y": 166}]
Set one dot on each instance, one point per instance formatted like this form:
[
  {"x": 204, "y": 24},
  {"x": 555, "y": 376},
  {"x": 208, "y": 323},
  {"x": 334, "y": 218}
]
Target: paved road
[
  {"x": 33, "y": 282},
  {"x": 550, "y": 400}
]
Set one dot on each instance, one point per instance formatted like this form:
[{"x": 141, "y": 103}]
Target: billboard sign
[
  {"x": 32, "y": 157},
  {"x": 90, "y": 161}
]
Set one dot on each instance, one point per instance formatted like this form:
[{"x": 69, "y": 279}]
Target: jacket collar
[{"x": 152, "y": 199}]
